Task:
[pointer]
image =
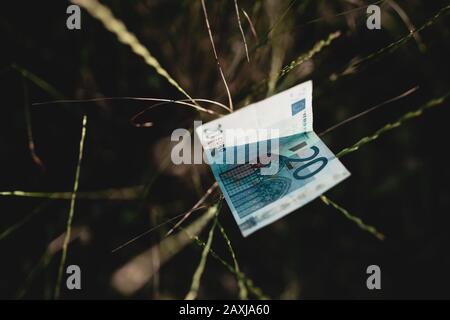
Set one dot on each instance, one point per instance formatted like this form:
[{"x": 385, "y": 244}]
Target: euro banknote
[{"x": 267, "y": 159}]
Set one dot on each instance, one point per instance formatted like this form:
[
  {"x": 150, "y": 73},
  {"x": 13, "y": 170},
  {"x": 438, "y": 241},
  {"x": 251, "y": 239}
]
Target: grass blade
[
  {"x": 193, "y": 292},
  {"x": 392, "y": 46},
  {"x": 358, "y": 221},
  {"x": 257, "y": 292},
  {"x": 133, "y": 275},
  {"x": 230, "y": 101},
  {"x": 31, "y": 145},
  {"x": 240, "y": 28},
  {"x": 71, "y": 210},
  {"x": 360, "y": 114},
  {"x": 104, "y": 14},
  {"x": 407, "y": 116},
  {"x": 243, "y": 293}
]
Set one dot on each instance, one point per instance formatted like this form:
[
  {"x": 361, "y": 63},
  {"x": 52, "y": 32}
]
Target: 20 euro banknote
[{"x": 267, "y": 159}]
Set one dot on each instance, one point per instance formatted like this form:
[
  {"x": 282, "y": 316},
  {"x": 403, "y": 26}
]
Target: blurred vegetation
[{"x": 127, "y": 185}]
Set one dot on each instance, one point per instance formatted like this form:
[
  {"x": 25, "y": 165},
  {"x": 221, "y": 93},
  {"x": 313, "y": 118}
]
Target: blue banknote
[{"x": 301, "y": 166}]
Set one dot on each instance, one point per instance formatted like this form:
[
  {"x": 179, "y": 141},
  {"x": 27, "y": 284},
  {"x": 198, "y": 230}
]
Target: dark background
[{"x": 399, "y": 182}]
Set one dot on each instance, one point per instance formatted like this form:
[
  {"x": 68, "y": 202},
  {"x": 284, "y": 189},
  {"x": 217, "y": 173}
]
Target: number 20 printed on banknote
[{"x": 267, "y": 159}]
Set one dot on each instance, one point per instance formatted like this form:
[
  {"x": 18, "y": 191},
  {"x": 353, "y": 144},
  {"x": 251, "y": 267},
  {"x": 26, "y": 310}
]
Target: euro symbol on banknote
[{"x": 301, "y": 166}]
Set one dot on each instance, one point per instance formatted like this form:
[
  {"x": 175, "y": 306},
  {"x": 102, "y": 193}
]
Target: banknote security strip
[{"x": 300, "y": 165}]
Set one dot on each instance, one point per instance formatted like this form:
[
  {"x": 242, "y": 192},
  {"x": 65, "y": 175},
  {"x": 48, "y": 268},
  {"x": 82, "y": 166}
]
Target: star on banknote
[{"x": 267, "y": 159}]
